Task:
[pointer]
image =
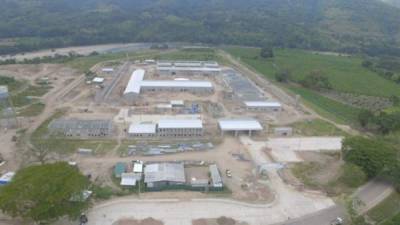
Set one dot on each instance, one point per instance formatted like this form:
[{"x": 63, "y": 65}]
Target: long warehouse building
[
  {"x": 136, "y": 85},
  {"x": 188, "y": 68}
]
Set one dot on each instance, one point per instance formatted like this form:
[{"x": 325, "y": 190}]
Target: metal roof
[
  {"x": 205, "y": 66},
  {"x": 203, "y": 69},
  {"x": 173, "y": 123},
  {"x": 176, "y": 83},
  {"x": 98, "y": 80},
  {"x": 174, "y": 172},
  {"x": 262, "y": 104},
  {"x": 143, "y": 128},
  {"x": 138, "y": 167},
  {"x": 3, "y": 89},
  {"x": 239, "y": 124},
  {"x": 128, "y": 179},
  {"x": 215, "y": 176},
  {"x": 119, "y": 168},
  {"x": 177, "y": 102},
  {"x": 135, "y": 82}
]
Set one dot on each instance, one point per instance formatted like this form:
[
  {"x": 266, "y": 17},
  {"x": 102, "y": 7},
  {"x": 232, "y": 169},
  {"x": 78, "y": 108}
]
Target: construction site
[{"x": 197, "y": 125}]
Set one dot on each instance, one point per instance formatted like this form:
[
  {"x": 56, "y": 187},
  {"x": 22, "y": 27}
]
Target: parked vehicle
[{"x": 228, "y": 173}]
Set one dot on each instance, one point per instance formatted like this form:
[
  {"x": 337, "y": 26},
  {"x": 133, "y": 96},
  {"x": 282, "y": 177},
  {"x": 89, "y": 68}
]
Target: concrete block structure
[
  {"x": 81, "y": 128},
  {"x": 136, "y": 85},
  {"x": 188, "y": 68},
  {"x": 159, "y": 175},
  {"x": 239, "y": 125},
  {"x": 283, "y": 131},
  {"x": 180, "y": 128},
  {"x": 263, "y": 106},
  {"x": 3, "y": 92}
]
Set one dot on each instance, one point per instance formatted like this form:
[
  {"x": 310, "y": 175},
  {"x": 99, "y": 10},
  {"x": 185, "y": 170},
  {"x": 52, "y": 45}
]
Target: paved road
[{"x": 323, "y": 217}]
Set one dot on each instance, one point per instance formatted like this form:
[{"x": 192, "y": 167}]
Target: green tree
[
  {"x": 316, "y": 80},
  {"x": 282, "y": 76},
  {"x": 353, "y": 175},
  {"x": 372, "y": 155},
  {"x": 267, "y": 52},
  {"x": 364, "y": 117},
  {"x": 44, "y": 193}
]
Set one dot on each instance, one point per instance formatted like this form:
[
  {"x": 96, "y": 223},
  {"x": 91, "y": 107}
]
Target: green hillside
[{"x": 340, "y": 25}]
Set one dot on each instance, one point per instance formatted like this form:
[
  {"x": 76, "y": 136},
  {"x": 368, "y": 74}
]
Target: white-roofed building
[
  {"x": 193, "y": 86},
  {"x": 158, "y": 175},
  {"x": 98, "y": 80},
  {"x": 107, "y": 70},
  {"x": 180, "y": 128},
  {"x": 132, "y": 90},
  {"x": 142, "y": 130},
  {"x": 3, "y": 92},
  {"x": 188, "y": 68},
  {"x": 136, "y": 85},
  {"x": 263, "y": 106},
  {"x": 238, "y": 125},
  {"x": 129, "y": 179}
]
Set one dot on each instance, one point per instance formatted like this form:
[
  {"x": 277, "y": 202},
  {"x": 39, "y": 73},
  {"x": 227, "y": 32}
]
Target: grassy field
[
  {"x": 32, "y": 110},
  {"x": 345, "y": 73},
  {"x": 386, "y": 209},
  {"x": 317, "y": 127},
  {"x": 327, "y": 107}
]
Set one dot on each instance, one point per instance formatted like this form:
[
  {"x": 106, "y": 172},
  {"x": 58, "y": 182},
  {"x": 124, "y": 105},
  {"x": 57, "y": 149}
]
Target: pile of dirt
[{"x": 147, "y": 221}]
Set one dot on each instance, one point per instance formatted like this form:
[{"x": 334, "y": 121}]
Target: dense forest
[{"x": 339, "y": 25}]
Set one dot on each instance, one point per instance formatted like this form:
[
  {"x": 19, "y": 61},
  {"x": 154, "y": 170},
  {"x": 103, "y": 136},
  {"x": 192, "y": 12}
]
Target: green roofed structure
[{"x": 119, "y": 169}]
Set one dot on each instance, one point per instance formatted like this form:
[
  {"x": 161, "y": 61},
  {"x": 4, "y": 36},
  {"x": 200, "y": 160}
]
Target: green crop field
[{"x": 344, "y": 72}]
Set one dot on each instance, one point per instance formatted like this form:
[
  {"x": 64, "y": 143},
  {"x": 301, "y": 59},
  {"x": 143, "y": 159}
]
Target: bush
[
  {"x": 317, "y": 81},
  {"x": 353, "y": 175},
  {"x": 103, "y": 192}
]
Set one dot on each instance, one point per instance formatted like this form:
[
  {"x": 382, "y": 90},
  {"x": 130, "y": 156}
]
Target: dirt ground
[
  {"x": 218, "y": 221},
  {"x": 330, "y": 165},
  {"x": 70, "y": 90},
  {"x": 147, "y": 221}
]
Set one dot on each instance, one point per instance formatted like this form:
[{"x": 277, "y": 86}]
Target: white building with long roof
[{"x": 137, "y": 84}]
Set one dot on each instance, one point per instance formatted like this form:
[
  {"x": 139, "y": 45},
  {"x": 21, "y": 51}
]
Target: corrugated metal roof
[
  {"x": 128, "y": 179},
  {"x": 239, "y": 124},
  {"x": 174, "y": 172},
  {"x": 172, "y": 123},
  {"x": 215, "y": 176},
  {"x": 135, "y": 81},
  {"x": 262, "y": 104},
  {"x": 144, "y": 128},
  {"x": 176, "y": 83}
]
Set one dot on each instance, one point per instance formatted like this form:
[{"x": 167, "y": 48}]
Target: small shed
[
  {"x": 98, "y": 80},
  {"x": 119, "y": 169},
  {"x": 128, "y": 179},
  {"x": 283, "y": 131}
]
